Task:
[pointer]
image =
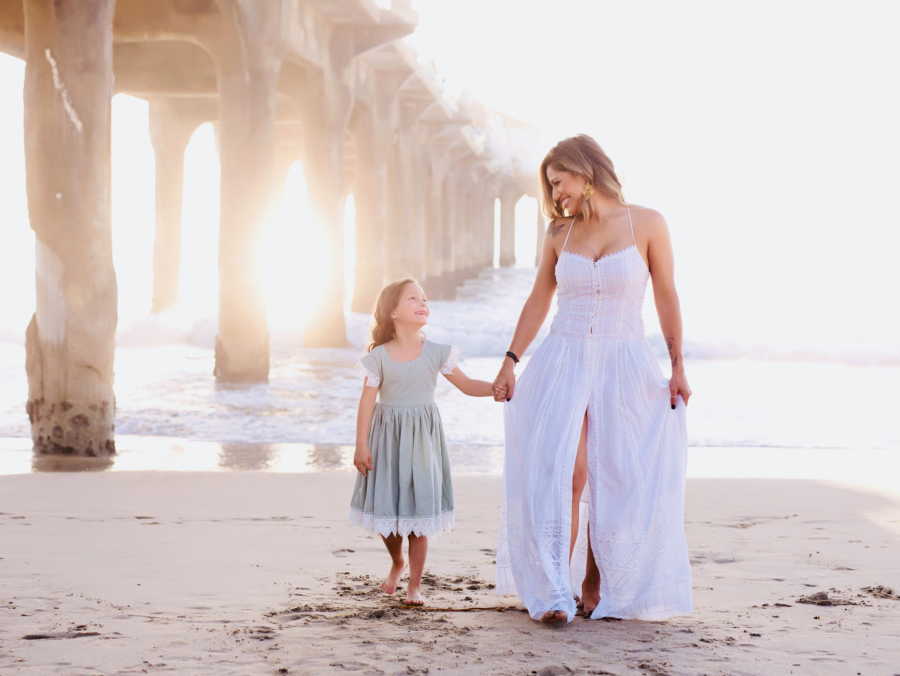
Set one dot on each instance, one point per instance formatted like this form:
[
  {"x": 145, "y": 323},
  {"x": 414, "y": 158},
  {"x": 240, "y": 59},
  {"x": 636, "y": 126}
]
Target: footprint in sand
[
  {"x": 654, "y": 667},
  {"x": 341, "y": 553},
  {"x": 882, "y": 592},
  {"x": 60, "y": 634},
  {"x": 268, "y": 518},
  {"x": 750, "y": 521},
  {"x": 348, "y": 666},
  {"x": 823, "y": 598}
]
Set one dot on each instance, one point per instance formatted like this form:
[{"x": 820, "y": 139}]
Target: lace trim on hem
[{"x": 389, "y": 525}]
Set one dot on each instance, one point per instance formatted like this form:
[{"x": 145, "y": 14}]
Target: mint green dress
[{"x": 409, "y": 489}]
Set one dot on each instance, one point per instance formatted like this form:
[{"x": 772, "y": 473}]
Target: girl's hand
[
  {"x": 504, "y": 383},
  {"x": 678, "y": 384},
  {"x": 362, "y": 460}
]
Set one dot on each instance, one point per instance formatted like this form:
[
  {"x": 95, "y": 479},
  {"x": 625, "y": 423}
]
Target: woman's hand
[
  {"x": 362, "y": 460},
  {"x": 678, "y": 384},
  {"x": 505, "y": 382}
]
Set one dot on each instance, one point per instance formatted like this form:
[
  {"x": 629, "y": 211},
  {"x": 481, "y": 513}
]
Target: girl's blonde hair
[
  {"x": 384, "y": 330},
  {"x": 583, "y": 156}
]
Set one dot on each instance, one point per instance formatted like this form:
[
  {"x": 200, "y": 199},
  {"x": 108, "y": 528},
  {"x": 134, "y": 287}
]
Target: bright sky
[{"x": 765, "y": 132}]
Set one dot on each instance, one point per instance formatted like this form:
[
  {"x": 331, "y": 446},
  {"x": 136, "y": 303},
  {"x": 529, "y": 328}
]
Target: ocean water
[{"x": 172, "y": 415}]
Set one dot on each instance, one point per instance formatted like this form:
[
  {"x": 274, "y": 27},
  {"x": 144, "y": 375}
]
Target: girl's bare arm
[
  {"x": 362, "y": 458},
  {"x": 467, "y": 385}
]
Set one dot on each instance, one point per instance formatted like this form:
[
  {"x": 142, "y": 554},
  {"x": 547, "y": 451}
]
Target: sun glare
[{"x": 293, "y": 256}]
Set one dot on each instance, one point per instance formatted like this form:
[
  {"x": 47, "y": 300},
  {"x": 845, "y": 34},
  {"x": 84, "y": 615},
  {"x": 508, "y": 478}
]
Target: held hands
[
  {"x": 505, "y": 382},
  {"x": 362, "y": 460},
  {"x": 678, "y": 384}
]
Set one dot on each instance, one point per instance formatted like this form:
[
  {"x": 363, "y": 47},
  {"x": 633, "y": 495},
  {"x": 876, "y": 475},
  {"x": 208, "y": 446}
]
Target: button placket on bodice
[
  {"x": 596, "y": 299},
  {"x": 602, "y": 297}
]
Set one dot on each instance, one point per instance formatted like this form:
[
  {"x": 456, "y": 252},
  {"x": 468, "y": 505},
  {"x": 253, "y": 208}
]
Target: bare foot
[
  {"x": 590, "y": 596},
  {"x": 389, "y": 586},
  {"x": 554, "y": 618},
  {"x": 413, "y": 598}
]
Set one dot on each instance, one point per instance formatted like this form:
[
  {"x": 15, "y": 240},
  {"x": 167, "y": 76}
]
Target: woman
[{"x": 594, "y": 408}]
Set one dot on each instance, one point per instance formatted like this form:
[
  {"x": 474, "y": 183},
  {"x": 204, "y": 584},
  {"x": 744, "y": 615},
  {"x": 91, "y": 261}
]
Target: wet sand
[{"x": 260, "y": 573}]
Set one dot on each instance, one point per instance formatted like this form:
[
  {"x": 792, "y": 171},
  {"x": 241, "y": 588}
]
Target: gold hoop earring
[{"x": 588, "y": 191}]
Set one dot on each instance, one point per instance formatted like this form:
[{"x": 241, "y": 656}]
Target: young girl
[{"x": 403, "y": 487}]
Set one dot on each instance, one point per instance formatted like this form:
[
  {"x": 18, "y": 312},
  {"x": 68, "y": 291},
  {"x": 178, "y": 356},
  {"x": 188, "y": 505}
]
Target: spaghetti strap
[
  {"x": 568, "y": 232},
  {"x": 630, "y": 224}
]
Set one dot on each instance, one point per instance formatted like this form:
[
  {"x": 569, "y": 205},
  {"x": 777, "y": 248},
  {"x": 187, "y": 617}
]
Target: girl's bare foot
[
  {"x": 389, "y": 586},
  {"x": 554, "y": 618},
  {"x": 413, "y": 598}
]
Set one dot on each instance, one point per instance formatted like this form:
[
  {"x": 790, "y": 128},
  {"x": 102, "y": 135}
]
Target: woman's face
[
  {"x": 567, "y": 189},
  {"x": 412, "y": 308}
]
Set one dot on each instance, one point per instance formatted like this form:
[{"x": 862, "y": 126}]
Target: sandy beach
[{"x": 255, "y": 573}]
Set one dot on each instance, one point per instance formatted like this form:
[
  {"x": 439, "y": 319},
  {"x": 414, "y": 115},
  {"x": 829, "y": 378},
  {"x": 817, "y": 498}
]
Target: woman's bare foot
[
  {"x": 554, "y": 618},
  {"x": 389, "y": 586},
  {"x": 590, "y": 596},
  {"x": 413, "y": 598}
]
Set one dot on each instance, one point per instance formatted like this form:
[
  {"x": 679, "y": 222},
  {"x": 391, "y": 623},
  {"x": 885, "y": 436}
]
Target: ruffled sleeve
[
  {"x": 371, "y": 369},
  {"x": 451, "y": 361}
]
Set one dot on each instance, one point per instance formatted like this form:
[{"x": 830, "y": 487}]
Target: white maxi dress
[{"x": 596, "y": 360}]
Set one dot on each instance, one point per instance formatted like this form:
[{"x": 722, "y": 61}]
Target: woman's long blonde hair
[
  {"x": 583, "y": 156},
  {"x": 384, "y": 330}
]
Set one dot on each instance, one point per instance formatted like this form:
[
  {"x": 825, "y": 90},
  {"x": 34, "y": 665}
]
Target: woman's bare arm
[
  {"x": 662, "y": 272},
  {"x": 535, "y": 309}
]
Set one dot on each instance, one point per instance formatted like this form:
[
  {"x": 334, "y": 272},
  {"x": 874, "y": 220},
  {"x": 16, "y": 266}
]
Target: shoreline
[
  {"x": 871, "y": 469},
  {"x": 252, "y": 572}
]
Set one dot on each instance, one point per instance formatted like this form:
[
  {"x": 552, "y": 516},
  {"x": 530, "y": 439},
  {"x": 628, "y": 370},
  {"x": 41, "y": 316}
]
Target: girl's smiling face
[{"x": 412, "y": 308}]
